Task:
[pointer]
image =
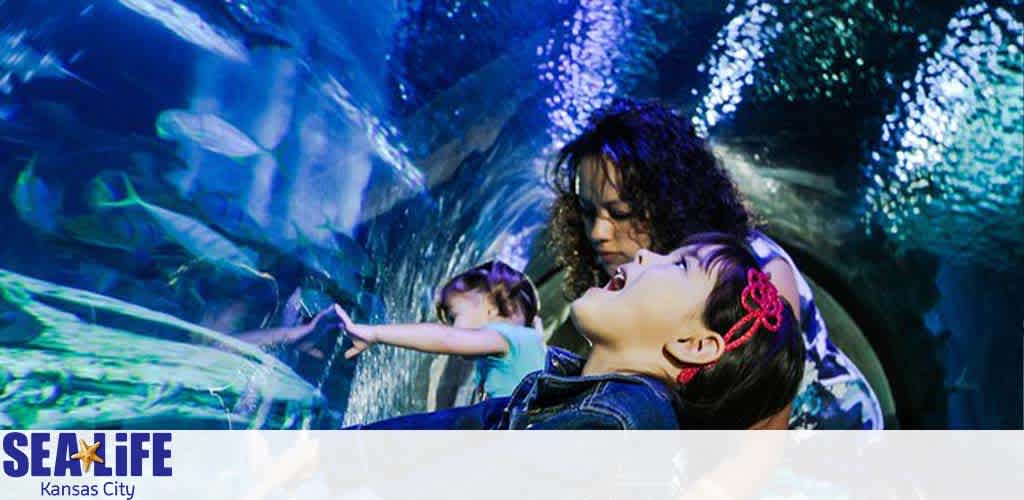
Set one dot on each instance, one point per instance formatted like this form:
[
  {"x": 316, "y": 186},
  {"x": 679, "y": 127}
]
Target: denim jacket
[{"x": 560, "y": 398}]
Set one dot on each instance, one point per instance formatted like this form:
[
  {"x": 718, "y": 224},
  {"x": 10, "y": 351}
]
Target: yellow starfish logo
[{"x": 87, "y": 454}]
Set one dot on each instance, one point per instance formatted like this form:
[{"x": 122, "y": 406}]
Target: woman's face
[
  {"x": 652, "y": 299},
  {"x": 612, "y": 225}
]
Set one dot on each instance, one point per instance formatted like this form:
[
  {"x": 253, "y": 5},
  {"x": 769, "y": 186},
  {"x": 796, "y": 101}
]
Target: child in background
[
  {"x": 696, "y": 339},
  {"x": 487, "y": 313}
]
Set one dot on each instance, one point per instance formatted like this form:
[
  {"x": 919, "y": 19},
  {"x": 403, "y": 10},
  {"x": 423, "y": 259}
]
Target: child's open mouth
[{"x": 618, "y": 282}]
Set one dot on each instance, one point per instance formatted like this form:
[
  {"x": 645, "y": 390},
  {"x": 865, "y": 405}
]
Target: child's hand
[
  {"x": 306, "y": 337},
  {"x": 361, "y": 335},
  {"x": 303, "y": 333}
]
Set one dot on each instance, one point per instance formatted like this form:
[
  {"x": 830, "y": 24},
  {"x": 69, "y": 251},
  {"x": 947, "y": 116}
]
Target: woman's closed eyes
[{"x": 616, "y": 212}]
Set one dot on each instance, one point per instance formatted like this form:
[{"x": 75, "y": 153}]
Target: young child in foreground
[
  {"x": 487, "y": 313},
  {"x": 698, "y": 338}
]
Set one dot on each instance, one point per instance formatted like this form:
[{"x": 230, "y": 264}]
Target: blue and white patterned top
[{"x": 833, "y": 393}]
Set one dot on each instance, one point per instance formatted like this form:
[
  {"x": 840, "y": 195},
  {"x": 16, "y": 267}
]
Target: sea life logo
[{"x": 58, "y": 458}]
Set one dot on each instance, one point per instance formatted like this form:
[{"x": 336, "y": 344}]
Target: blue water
[{"x": 361, "y": 152}]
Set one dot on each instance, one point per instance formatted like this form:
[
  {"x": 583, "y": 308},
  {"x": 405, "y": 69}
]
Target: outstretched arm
[{"x": 425, "y": 337}]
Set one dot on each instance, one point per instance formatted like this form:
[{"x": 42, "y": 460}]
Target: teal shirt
[{"x": 498, "y": 375}]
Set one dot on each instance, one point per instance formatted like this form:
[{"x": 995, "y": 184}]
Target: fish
[
  {"x": 130, "y": 234},
  {"x": 196, "y": 238},
  {"x": 36, "y": 204},
  {"x": 208, "y": 131},
  {"x": 227, "y": 29},
  {"x": 191, "y": 26},
  {"x": 17, "y": 325},
  {"x": 199, "y": 240},
  {"x": 18, "y": 59}
]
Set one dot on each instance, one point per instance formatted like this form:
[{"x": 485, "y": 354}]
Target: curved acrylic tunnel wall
[{"x": 180, "y": 172}]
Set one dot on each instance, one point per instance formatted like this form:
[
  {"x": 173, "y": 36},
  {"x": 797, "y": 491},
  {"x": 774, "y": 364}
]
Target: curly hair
[{"x": 668, "y": 175}]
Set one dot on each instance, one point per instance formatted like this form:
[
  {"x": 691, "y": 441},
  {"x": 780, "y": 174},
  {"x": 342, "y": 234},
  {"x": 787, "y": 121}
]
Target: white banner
[{"x": 511, "y": 465}]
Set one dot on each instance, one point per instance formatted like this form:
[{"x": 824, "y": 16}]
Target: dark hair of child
[{"x": 757, "y": 379}]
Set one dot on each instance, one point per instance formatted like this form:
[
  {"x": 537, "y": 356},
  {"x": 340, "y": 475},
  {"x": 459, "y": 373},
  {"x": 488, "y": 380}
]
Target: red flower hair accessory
[{"x": 764, "y": 309}]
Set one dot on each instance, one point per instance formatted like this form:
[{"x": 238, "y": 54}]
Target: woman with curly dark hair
[{"x": 639, "y": 177}]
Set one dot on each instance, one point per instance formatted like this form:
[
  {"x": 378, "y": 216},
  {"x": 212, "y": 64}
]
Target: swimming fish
[
  {"x": 195, "y": 237},
  {"x": 199, "y": 240},
  {"x": 37, "y": 205},
  {"x": 191, "y": 26},
  {"x": 208, "y": 131},
  {"x": 20, "y": 60},
  {"x": 131, "y": 234},
  {"x": 16, "y": 324}
]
